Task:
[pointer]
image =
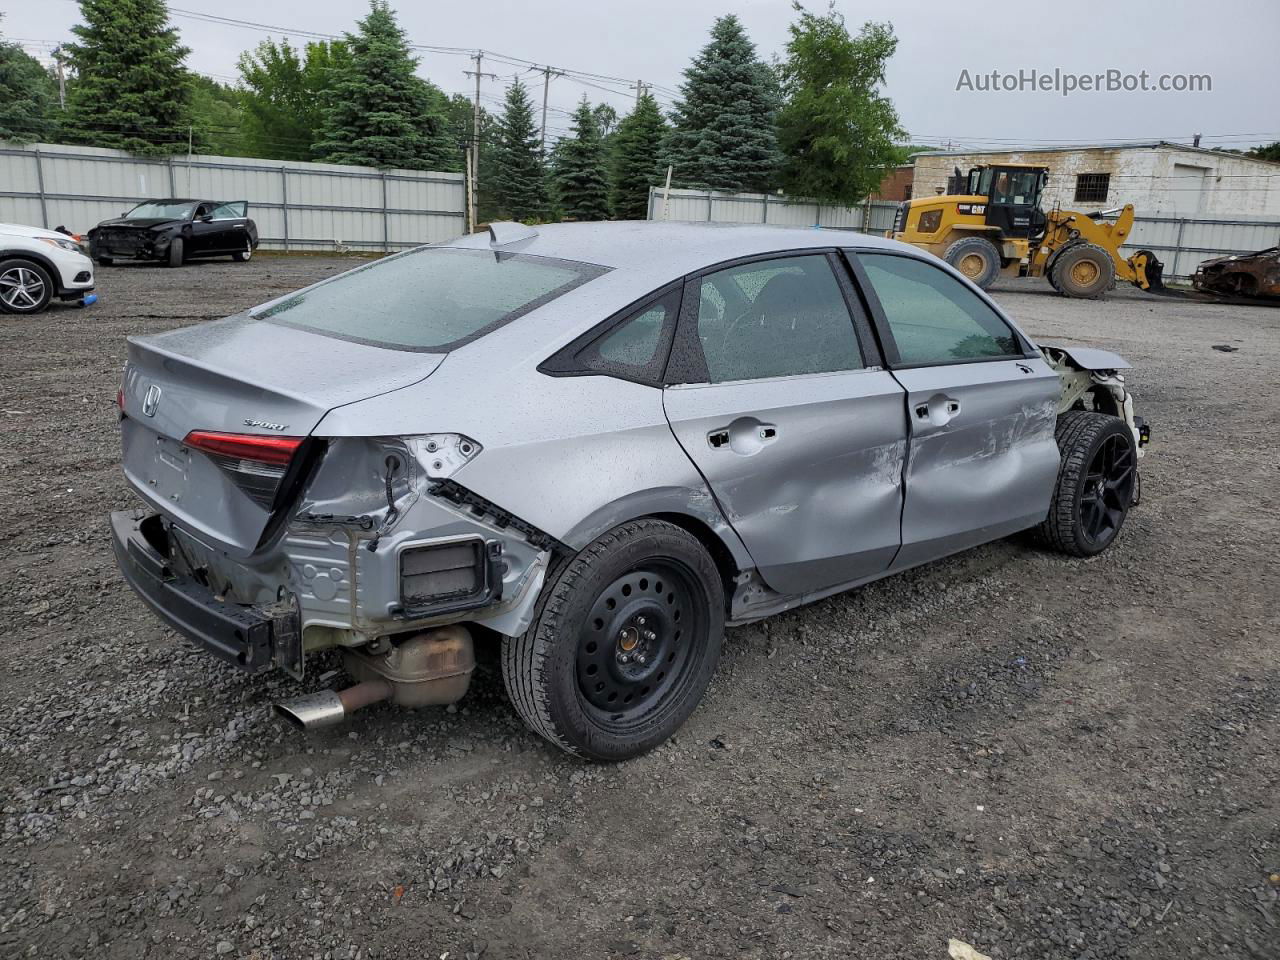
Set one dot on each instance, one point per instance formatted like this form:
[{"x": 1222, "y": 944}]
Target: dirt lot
[{"x": 1039, "y": 756}]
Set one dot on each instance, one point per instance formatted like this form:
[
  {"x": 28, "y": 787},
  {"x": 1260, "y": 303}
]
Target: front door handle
[{"x": 718, "y": 438}]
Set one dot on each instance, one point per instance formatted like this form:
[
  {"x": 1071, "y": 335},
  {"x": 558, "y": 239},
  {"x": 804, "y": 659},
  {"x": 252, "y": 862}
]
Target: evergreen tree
[
  {"x": 380, "y": 114},
  {"x": 637, "y": 164},
  {"x": 518, "y": 184},
  {"x": 723, "y": 134},
  {"x": 835, "y": 128},
  {"x": 216, "y": 118},
  {"x": 28, "y": 97},
  {"x": 131, "y": 89},
  {"x": 285, "y": 95},
  {"x": 582, "y": 184}
]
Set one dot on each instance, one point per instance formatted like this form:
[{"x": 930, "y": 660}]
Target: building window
[{"x": 1092, "y": 187}]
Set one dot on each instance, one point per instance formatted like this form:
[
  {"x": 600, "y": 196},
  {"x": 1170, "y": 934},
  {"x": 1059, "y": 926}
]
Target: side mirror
[{"x": 207, "y": 218}]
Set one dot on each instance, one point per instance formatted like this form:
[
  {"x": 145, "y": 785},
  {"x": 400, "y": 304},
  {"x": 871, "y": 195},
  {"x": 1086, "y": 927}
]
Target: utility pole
[
  {"x": 189, "y": 143},
  {"x": 547, "y": 74},
  {"x": 641, "y": 88},
  {"x": 478, "y": 57},
  {"x": 62, "y": 77}
]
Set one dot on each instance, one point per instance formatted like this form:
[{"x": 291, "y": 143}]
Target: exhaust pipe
[{"x": 330, "y": 707}]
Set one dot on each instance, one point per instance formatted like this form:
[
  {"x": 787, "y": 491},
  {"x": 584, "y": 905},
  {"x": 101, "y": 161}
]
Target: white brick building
[{"x": 1159, "y": 178}]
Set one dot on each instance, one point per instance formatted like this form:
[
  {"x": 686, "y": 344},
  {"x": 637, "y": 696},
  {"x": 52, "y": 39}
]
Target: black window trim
[
  {"x": 893, "y": 358},
  {"x": 567, "y": 361},
  {"x": 686, "y": 349}
]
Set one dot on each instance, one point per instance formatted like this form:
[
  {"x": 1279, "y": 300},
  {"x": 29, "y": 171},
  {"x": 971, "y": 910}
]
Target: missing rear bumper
[{"x": 249, "y": 638}]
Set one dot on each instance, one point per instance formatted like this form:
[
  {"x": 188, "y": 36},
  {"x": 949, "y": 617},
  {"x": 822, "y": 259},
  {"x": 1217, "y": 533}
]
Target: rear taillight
[{"x": 256, "y": 464}]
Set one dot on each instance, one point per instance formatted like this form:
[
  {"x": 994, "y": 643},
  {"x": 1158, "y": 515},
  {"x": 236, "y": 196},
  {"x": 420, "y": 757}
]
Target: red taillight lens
[
  {"x": 246, "y": 446},
  {"x": 256, "y": 464}
]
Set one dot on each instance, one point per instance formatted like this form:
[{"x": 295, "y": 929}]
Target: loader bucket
[{"x": 1153, "y": 270}]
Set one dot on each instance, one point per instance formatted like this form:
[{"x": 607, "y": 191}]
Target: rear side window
[
  {"x": 933, "y": 317},
  {"x": 632, "y": 348},
  {"x": 775, "y": 318},
  {"x": 431, "y": 299}
]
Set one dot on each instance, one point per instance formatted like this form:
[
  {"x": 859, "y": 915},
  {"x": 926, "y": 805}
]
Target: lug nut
[
  {"x": 640, "y": 621},
  {"x": 650, "y": 635}
]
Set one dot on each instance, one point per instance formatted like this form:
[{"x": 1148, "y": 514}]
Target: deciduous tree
[
  {"x": 836, "y": 129},
  {"x": 28, "y": 97}
]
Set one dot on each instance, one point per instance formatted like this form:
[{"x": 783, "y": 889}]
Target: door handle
[
  {"x": 938, "y": 410},
  {"x": 1023, "y": 367},
  {"x": 718, "y": 438}
]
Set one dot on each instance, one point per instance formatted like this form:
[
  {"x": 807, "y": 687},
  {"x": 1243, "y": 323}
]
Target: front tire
[
  {"x": 245, "y": 255},
  {"x": 25, "y": 286},
  {"x": 624, "y": 642},
  {"x": 1083, "y": 270},
  {"x": 105, "y": 261},
  {"x": 175, "y": 252},
  {"x": 1097, "y": 483}
]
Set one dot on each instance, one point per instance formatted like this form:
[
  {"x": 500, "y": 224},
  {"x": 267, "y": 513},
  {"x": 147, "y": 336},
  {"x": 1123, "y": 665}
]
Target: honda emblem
[{"x": 151, "y": 401}]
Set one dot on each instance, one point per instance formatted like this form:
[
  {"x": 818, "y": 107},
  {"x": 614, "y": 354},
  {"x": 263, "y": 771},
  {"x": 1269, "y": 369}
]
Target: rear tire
[
  {"x": 624, "y": 641},
  {"x": 25, "y": 286},
  {"x": 175, "y": 252},
  {"x": 1097, "y": 483},
  {"x": 1083, "y": 270},
  {"x": 977, "y": 258}
]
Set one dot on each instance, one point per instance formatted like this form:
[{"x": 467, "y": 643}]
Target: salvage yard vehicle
[
  {"x": 175, "y": 231},
  {"x": 603, "y": 442},
  {"x": 37, "y": 265},
  {"x": 995, "y": 227},
  {"x": 1254, "y": 274}
]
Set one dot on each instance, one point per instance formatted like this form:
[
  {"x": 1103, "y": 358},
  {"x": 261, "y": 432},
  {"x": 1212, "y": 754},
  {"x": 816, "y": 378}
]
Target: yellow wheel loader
[{"x": 994, "y": 227}]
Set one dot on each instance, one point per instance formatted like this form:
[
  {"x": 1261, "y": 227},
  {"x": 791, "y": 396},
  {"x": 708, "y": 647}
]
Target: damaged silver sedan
[{"x": 602, "y": 442}]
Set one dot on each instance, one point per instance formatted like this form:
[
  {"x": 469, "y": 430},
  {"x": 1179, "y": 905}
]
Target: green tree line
[{"x": 815, "y": 123}]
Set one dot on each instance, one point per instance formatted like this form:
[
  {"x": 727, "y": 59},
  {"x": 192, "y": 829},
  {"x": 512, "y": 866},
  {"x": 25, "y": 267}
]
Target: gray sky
[{"x": 1233, "y": 43}]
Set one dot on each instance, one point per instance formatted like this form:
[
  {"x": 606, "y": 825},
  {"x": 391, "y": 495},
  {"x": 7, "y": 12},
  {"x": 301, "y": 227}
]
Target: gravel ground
[{"x": 1039, "y": 756}]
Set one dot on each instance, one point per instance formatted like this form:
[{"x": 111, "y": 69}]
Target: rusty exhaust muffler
[
  {"x": 327, "y": 708},
  {"x": 430, "y": 668}
]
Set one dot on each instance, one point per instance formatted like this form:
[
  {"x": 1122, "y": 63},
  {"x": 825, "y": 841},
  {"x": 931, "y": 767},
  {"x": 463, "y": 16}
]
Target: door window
[
  {"x": 933, "y": 317},
  {"x": 775, "y": 318},
  {"x": 230, "y": 211}
]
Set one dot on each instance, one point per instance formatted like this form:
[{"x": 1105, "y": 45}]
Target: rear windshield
[{"x": 431, "y": 299}]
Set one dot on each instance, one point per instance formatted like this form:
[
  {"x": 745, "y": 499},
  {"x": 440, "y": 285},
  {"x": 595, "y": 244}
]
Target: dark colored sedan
[{"x": 175, "y": 231}]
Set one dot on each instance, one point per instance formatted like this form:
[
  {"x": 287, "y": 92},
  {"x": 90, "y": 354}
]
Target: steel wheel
[
  {"x": 634, "y": 647},
  {"x": 22, "y": 289},
  {"x": 1107, "y": 491}
]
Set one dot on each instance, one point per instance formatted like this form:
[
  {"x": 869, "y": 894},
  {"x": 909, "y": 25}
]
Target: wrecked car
[
  {"x": 603, "y": 443},
  {"x": 176, "y": 231},
  {"x": 1244, "y": 274}
]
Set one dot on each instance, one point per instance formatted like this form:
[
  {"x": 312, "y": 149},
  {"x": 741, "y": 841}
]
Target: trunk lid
[{"x": 237, "y": 376}]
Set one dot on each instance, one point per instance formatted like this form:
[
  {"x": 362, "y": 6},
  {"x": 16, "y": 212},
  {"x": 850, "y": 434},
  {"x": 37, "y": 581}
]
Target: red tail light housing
[{"x": 256, "y": 464}]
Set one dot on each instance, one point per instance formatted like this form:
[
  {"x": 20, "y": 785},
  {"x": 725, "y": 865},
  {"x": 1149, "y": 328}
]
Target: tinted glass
[
  {"x": 431, "y": 299},
  {"x": 636, "y": 342},
  {"x": 775, "y": 318},
  {"x": 933, "y": 317},
  {"x": 230, "y": 211}
]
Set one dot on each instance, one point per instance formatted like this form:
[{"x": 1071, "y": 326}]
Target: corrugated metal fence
[
  {"x": 299, "y": 206},
  {"x": 1182, "y": 243},
  {"x": 874, "y": 216}
]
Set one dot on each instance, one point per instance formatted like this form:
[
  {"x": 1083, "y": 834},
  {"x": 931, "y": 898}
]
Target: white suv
[{"x": 36, "y": 265}]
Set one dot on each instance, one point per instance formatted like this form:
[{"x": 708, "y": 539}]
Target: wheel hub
[
  {"x": 634, "y": 644},
  {"x": 1108, "y": 490}
]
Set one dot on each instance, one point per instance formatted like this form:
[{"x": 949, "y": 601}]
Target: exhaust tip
[{"x": 323, "y": 709}]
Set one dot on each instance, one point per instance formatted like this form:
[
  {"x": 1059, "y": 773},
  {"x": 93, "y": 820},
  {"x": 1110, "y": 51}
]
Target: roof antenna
[{"x": 505, "y": 233}]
